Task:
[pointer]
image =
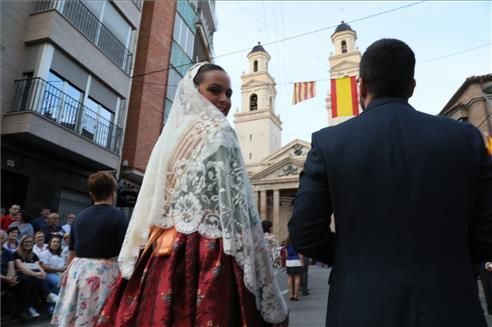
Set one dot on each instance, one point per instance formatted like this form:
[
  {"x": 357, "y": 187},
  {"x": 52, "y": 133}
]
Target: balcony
[
  {"x": 42, "y": 98},
  {"x": 92, "y": 28}
]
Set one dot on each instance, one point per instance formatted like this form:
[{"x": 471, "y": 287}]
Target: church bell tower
[
  {"x": 343, "y": 63},
  {"x": 257, "y": 126}
]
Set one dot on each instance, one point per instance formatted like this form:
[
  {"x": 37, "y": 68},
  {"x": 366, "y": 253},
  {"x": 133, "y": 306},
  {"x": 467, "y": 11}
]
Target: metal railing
[
  {"x": 37, "y": 95},
  {"x": 92, "y": 28}
]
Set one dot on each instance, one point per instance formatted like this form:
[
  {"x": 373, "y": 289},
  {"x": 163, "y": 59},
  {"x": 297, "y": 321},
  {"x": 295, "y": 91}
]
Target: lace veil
[{"x": 196, "y": 181}]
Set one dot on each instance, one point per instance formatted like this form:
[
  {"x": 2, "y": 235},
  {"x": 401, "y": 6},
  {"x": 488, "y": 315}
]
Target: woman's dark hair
[
  {"x": 387, "y": 68},
  {"x": 202, "y": 70},
  {"x": 57, "y": 252},
  {"x": 267, "y": 225},
  {"x": 11, "y": 229}
]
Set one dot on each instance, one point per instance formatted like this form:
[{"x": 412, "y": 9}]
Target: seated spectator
[
  {"x": 31, "y": 277},
  {"x": 39, "y": 245},
  {"x": 69, "y": 222},
  {"x": 12, "y": 243},
  {"x": 41, "y": 222},
  {"x": 53, "y": 263},
  {"x": 52, "y": 227},
  {"x": 22, "y": 222},
  {"x": 7, "y": 276},
  {"x": 9, "y": 218}
]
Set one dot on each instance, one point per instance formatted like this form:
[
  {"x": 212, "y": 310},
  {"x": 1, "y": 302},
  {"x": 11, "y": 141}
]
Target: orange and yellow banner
[
  {"x": 303, "y": 91},
  {"x": 488, "y": 144},
  {"x": 344, "y": 98}
]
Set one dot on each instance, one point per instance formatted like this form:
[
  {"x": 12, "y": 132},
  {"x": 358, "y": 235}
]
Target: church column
[
  {"x": 276, "y": 212},
  {"x": 263, "y": 204},
  {"x": 257, "y": 199}
]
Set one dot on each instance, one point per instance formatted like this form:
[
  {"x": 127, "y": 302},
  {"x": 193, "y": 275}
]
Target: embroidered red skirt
[{"x": 196, "y": 285}]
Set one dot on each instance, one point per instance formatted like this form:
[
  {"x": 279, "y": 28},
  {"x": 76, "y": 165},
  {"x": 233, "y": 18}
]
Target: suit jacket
[{"x": 412, "y": 198}]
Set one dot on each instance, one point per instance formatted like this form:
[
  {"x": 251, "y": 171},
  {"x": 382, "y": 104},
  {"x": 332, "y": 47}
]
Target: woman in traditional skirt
[
  {"x": 194, "y": 253},
  {"x": 95, "y": 241}
]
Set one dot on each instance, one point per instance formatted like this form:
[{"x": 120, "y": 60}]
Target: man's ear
[
  {"x": 412, "y": 88},
  {"x": 362, "y": 88}
]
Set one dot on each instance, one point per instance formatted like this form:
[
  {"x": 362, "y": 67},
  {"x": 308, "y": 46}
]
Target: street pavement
[{"x": 309, "y": 311}]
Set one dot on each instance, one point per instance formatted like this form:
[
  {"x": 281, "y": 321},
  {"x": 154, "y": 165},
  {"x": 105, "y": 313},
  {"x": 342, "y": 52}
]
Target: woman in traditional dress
[
  {"x": 194, "y": 253},
  {"x": 95, "y": 241}
]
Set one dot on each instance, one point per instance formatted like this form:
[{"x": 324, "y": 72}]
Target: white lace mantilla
[{"x": 196, "y": 181}]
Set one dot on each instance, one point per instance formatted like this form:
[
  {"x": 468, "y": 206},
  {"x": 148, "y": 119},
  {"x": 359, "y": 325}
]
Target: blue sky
[{"x": 432, "y": 29}]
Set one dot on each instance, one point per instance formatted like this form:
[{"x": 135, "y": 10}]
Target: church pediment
[
  {"x": 295, "y": 149},
  {"x": 284, "y": 169}
]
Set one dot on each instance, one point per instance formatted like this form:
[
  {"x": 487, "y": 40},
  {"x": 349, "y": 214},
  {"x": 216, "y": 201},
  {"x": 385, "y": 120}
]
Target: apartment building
[
  {"x": 174, "y": 34},
  {"x": 66, "y": 79}
]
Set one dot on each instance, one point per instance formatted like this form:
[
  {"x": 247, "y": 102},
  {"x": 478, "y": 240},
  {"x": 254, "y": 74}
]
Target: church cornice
[
  {"x": 257, "y": 115},
  {"x": 260, "y": 76},
  {"x": 355, "y": 54}
]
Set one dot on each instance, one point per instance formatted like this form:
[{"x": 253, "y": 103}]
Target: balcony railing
[
  {"x": 37, "y": 95},
  {"x": 93, "y": 29}
]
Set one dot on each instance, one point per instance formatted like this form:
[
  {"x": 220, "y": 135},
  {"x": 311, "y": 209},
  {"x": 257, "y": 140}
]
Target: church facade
[{"x": 274, "y": 169}]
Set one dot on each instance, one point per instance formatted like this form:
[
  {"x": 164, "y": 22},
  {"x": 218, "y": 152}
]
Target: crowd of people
[
  {"x": 34, "y": 256},
  {"x": 195, "y": 240}
]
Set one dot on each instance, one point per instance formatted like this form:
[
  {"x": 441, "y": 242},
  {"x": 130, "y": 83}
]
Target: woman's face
[
  {"x": 27, "y": 244},
  {"x": 39, "y": 239},
  {"x": 55, "y": 243},
  {"x": 216, "y": 87}
]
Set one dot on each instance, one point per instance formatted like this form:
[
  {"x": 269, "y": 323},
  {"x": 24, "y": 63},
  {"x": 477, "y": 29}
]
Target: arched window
[
  {"x": 251, "y": 137},
  {"x": 344, "y": 46},
  {"x": 255, "y": 66},
  {"x": 253, "y": 102},
  {"x": 270, "y": 103}
]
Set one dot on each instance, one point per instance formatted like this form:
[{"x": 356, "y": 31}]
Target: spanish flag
[
  {"x": 303, "y": 91},
  {"x": 344, "y": 98}
]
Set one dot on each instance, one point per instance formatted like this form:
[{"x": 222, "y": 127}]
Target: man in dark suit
[{"x": 412, "y": 197}]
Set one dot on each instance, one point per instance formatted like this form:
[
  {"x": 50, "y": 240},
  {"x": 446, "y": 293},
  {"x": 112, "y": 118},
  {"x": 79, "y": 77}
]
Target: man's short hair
[
  {"x": 101, "y": 185},
  {"x": 387, "y": 68}
]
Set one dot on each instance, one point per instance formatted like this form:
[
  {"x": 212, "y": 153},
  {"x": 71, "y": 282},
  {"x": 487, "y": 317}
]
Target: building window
[
  {"x": 250, "y": 156},
  {"x": 97, "y": 123},
  {"x": 463, "y": 119},
  {"x": 251, "y": 137},
  {"x": 61, "y": 101},
  {"x": 344, "y": 46},
  {"x": 183, "y": 35},
  {"x": 255, "y": 66},
  {"x": 253, "y": 102}
]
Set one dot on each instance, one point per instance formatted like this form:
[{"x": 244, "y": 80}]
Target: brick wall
[{"x": 146, "y": 103}]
